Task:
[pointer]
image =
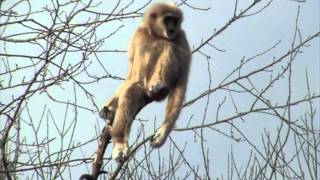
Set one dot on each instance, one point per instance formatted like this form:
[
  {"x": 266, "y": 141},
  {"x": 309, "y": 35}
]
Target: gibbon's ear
[{"x": 153, "y": 15}]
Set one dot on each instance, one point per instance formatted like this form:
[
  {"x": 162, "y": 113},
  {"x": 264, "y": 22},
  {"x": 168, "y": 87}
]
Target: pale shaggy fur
[{"x": 159, "y": 60}]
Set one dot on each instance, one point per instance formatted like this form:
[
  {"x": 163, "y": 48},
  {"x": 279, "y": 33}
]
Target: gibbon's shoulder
[{"x": 142, "y": 34}]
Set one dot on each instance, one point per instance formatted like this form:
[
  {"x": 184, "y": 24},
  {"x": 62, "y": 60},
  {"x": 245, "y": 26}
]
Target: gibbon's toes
[
  {"x": 159, "y": 137},
  {"x": 105, "y": 113},
  {"x": 120, "y": 152}
]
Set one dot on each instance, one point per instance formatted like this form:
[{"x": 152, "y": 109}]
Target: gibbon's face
[
  {"x": 165, "y": 21},
  {"x": 171, "y": 25}
]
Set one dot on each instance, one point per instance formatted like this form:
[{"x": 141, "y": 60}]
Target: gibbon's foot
[
  {"x": 105, "y": 113},
  {"x": 159, "y": 137},
  {"x": 120, "y": 151},
  {"x": 109, "y": 129},
  {"x": 158, "y": 91}
]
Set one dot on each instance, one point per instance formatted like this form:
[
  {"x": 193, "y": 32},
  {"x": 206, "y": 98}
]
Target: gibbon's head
[{"x": 164, "y": 20}]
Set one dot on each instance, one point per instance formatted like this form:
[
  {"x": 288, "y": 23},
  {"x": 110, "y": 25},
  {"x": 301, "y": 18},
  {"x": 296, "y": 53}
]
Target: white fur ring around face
[
  {"x": 120, "y": 151},
  {"x": 159, "y": 137}
]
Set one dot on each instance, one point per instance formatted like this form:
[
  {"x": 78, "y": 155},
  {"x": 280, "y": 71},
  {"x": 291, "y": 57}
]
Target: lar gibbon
[{"x": 159, "y": 60}]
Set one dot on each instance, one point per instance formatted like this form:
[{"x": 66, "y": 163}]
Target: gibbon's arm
[
  {"x": 131, "y": 50},
  {"x": 176, "y": 95},
  {"x": 175, "y": 100},
  {"x": 174, "y": 104}
]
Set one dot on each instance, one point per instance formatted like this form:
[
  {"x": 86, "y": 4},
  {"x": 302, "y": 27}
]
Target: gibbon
[{"x": 159, "y": 60}]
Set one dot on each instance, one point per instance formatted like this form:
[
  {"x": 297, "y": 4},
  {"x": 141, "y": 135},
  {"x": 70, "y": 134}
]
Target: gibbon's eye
[{"x": 170, "y": 21}]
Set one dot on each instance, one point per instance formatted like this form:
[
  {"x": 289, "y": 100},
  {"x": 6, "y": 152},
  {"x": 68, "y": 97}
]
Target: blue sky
[{"x": 243, "y": 39}]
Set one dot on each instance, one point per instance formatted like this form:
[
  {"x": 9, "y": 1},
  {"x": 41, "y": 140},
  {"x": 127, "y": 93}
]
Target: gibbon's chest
[
  {"x": 155, "y": 45},
  {"x": 153, "y": 50}
]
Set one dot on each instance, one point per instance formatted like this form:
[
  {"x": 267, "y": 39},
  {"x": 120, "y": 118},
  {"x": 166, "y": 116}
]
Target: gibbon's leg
[
  {"x": 173, "y": 108},
  {"x": 110, "y": 106},
  {"x": 130, "y": 101}
]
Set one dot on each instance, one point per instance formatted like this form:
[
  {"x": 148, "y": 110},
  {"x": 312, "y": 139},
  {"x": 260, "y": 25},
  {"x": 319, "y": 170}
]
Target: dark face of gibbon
[
  {"x": 164, "y": 20},
  {"x": 171, "y": 25}
]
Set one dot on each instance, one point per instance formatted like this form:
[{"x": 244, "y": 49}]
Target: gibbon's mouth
[{"x": 170, "y": 33}]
